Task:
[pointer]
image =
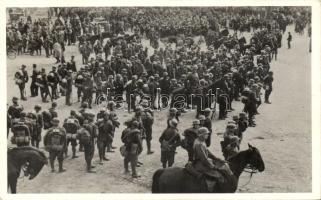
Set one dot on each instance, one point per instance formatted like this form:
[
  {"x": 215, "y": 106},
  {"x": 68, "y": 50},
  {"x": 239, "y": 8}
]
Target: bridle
[{"x": 251, "y": 170}]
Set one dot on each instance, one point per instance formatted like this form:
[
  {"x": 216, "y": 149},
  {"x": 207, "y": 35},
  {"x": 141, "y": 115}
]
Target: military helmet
[
  {"x": 196, "y": 122},
  {"x": 37, "y": 107},
  {"x": 135, "y": 124},
  {"x": 55, "y": 121},
  {"x": 202, "y": 131},
  {"x": 201, "y": 117},
  {"x": 173, "y": 122}
]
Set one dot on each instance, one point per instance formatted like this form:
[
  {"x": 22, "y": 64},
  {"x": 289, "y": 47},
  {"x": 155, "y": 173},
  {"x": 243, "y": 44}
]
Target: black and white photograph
[{"x": 159, "y": 99}]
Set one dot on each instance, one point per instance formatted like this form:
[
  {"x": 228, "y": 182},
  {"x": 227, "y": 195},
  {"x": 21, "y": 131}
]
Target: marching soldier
[
  {"x": 31, "y": 122},
  {"x": 21, "y": 133},
  {"x": 33, "y": 86},
  {"x": 42, "y": 82},
  {"x": 88, "y": 87},
  {"x": 71, "y": 126},
  {"x": 172, "y": 115},
  {"x": 21, "y": 78},
  {"x": 170, "y": 139},
  {"x": 268, "y": 87},
  {"x": 105, "y": 135},
  {"x": 131, "y": 88},
  {"x": 111, "y": 106},
  {"x": 15, "y": 110},
  {"x": 208, "y": 124},
  {"x": 133, "y": 143},
  {"x": 230, "y": 144},
  {"x": 79, "y": 84},
  {"x": 55, "y": 142},
  {"x": 147, "y": 121},
  {"x": 69, "y": 87},
  {"x": 53, "y": 80},
  {"x": 190, "y": 135},
  {"x": 87, "y": 136},
  {"x": 39, "y": 124}
]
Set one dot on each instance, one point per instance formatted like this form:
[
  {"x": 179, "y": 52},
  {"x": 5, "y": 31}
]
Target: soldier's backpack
[
  {"x": 46, "y": 119},
  {"x": 84, "y": 136},
  {"x": 55, "y": 140},
  {"x": 70, "y": 126},
  {"x": 147, "y": 117},
  {"x": 19, "y": 134}
]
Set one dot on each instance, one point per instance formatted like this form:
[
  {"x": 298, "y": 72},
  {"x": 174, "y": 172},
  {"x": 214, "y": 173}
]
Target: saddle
[{"x": 211, "y": 178}]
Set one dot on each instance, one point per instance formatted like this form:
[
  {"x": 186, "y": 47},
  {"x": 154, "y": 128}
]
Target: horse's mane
[
  {"x": 236, "y": 156},
  {"x": 27, "y": 148}
]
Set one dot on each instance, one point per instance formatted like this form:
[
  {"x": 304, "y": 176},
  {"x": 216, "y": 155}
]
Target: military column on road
[{"x": 130, "y": 77}]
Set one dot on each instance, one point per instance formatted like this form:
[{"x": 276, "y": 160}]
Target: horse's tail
[{"x": 155, "y": 184}]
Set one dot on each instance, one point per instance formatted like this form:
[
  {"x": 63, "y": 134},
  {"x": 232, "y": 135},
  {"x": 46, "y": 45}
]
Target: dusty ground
[{"x": 283, "y": 135}]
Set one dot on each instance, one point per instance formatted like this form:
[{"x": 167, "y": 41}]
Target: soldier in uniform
[
  {"x": 133, "y": 143},
  {"x": 190, "y": 135},
  {"x": 71, "y": 126},
  {"x": 170, "y": 139},
  {"x": 111, "y": 106},
  {"x": 208, "y": 124},
  {"x": 33, "y": 86},
  {"x": 268, "y": 87},
  {"x": 105, "y": 135},
  {"x": 79, "y": 84},
  {"x": 31, "y": 122},
  {"x": 131, "y": 88},
  {"x": 87, "y": 136},
  {"x": 69, "y": 87},
  {"x": 147, "y": 121},
  {"x": 55, "y": 142},
  {"x": 21, "y": 78},
  {"x": 39, "y": 124},
  {"x": 228, "y": 144},
  {"x": 42, "y": 82},
  {"x": 21, "y": 132},
  {"x": 15, "y": 110},
  {"x": 242, "y": 125},
  {"x": 205, "y": 161},
  {"x": 172, "y": 115},
  {"x": 88, "y": 86}
]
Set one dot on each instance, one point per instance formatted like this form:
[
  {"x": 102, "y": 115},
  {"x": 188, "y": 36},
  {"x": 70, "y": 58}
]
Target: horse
[
  {"x": 29, "y": 158},
  {"x": 178, "y": 180}
]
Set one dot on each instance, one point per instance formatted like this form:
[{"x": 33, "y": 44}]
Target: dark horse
[
  {"x": 178, "y": 180},
  {"x": 30, "y": 159}
]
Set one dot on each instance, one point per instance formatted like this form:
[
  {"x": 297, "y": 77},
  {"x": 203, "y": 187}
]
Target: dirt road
[{"x": 282, "y": 134}]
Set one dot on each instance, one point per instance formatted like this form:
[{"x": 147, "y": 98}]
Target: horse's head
[
  {"x": 254, "y": 158},
  {"x": 34, "y": 161}
]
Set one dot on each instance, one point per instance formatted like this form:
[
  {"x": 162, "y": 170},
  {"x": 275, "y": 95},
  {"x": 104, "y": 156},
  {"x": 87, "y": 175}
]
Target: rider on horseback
[{"x": 206, "y": 163}]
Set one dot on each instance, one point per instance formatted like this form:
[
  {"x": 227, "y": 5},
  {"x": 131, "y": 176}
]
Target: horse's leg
[{"x": 13, "y": 184}]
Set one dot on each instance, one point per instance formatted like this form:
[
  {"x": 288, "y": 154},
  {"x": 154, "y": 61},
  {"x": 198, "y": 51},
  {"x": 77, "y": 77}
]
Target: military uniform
[
  {"x": 105, "y": 136},
  {"x": 39, "y": 125},
  {"x": 21, "y": 78},
  {"x": 190, "y": 136},
  {"x": 71, "y": 126},
  {"x": 133, "y": 143},
  {"x": 55, "y": 143},
  {"x": 169, "y": 140},
  {"x": 79, "y": 85},
  {"x": 87, "y": 136},
  {"x": 147, "y": 122},
  {"x": 33, "y": 86},
  {"x": 21, "y": 134}
]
